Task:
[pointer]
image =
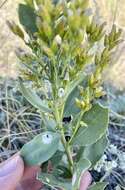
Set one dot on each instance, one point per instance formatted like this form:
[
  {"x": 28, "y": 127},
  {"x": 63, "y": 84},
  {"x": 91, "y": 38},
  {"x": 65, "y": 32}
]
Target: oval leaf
[
  {"x": 97, "y": 124},
  {"x": 40, "y": 149},
  {"x": 95, "y": 151}
]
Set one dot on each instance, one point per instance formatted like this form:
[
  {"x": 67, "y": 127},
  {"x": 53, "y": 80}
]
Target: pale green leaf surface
[
  {"x": 95, "y": 151},
  {"x": 72, "y": 93},
  {"x": 41, "y": 148},
  {"x": 97, "y": 124}
]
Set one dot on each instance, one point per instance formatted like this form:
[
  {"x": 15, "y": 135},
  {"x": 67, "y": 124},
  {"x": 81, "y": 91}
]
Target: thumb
[
  {"x": 85, "y": 181},
  {"x": 11, "y": 172}
]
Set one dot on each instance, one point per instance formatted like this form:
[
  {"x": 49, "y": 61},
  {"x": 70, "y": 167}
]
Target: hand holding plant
[
  {"x": 69, "y": 52},
  {"x": 14, "y": 176}
]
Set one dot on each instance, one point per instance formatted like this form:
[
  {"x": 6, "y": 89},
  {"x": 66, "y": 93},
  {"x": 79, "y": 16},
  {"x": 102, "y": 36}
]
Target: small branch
[
  {"x": 77, "y": 126},
  {"x": 65, "y": 144},
  {"x": 68, "y": 152}
]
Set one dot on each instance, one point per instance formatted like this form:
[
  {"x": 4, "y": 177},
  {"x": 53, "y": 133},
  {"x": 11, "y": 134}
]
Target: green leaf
[
  {"x": 27, "y": 18},
  {"x": 98, "y": 186},
  {"x": 97, "y": 124},
  {"x": 33, "y": 98},
  {"x": 74, "y": 84},
  {"x": 70, "y": 106},
  {"x": 82, "y": 166},
  {"x": 71, "y": 94},
  {"x": 62, "y": 171},
  {"x": 41, "y": 148},
  {"x": 57, "y": 157},
  {"x": 54, "y": 182},
  {"x": 95, "y": 151},
  {"x": 49, "y": 123}
]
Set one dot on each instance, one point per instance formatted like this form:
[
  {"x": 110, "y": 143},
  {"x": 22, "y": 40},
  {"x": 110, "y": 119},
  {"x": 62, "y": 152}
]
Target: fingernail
[
  {"x": 9, "y": 166},
  {"x": 85, "y": 181}
]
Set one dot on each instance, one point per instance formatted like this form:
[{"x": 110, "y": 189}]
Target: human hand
[{"x": 15, "y": 176}]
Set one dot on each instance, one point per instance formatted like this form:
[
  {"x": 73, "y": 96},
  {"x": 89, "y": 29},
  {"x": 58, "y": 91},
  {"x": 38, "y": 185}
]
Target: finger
[
  {"x": 85, "y": 181},
  {"x": 30, "y": 184},
  {"x": 11, "y": 172},
  {"x": 29, "y": 181},
  {"x": 31, "y": 172}
]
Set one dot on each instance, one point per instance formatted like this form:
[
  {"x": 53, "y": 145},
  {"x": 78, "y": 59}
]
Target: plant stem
[
  {"x": 77, "y": 126},
  {"x": 68, "y": 152},
  {"x": 59, "y": 117},
  {"x": 65, "y": 144}
]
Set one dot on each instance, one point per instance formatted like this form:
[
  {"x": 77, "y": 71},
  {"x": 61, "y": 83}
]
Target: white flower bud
[
  {"x": 61, "y": 92},
  {"x": 58, "y": 39}
]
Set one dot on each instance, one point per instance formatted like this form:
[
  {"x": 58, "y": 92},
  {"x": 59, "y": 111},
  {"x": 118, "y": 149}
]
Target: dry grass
[{"x": 110, "y": 10}]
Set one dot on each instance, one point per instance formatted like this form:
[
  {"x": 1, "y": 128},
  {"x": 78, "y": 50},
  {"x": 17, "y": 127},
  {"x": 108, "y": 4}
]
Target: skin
[{"x": 14, "y": 175}]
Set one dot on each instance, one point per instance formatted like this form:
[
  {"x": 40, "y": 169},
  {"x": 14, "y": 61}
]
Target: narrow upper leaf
[{"x": 33, "y": 98}]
